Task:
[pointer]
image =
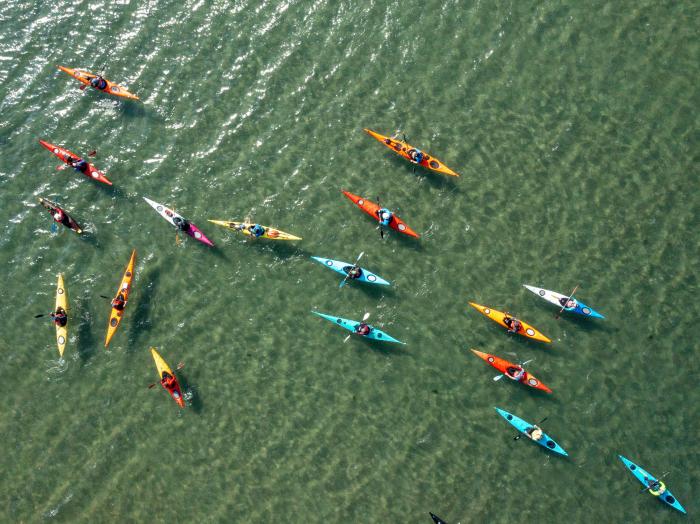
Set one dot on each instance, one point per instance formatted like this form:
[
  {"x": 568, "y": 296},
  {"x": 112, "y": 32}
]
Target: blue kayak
[
  {"x": 557, "y": 298},
  {"x": 350, "y": 325},
  {"x": 522, "y": 426},
  {"x": 647, "y": 479},
  {"x": 343, "y": 267}
]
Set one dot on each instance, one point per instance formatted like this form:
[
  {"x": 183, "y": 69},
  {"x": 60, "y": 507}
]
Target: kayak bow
[
  {"x": 115, "y": 316},
  {"x": 61, "y": 302},
  {"x": 84, "y": 77},
  {"x": 402, "y": 149},
  {"x": 350, "y": 325},
  {"x": 163, "y": 367},
  {"x": 647, "y": 479},
  {"x": 343, "y": 267},
  {"x": 555, "y": 298},
  {"x": 170, "y": 215},
  {"x": 270, "y": 232},
  {"x": 527, "y": 330},
  {"x": 63, "y": 154},
  {"x": 522, "y": 426},
  {"x": 502, "y": 365},
  {"x": 371, "y": 209}
]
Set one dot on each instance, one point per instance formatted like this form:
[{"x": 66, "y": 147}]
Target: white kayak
[
  {"x": 174, "y": 218},
  {"x": 559, "y": 300}
]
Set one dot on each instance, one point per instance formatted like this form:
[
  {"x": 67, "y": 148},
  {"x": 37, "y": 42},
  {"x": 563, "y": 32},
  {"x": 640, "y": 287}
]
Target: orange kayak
[
  {"x": 502, "y": 365},
  {"x": 124, "y": 289},
  {"x": 402, "y": 148},
  {"x": 499, "y": 317},
  {"x": 371, "y": 209},
  {"x": 112, "y": 88}
]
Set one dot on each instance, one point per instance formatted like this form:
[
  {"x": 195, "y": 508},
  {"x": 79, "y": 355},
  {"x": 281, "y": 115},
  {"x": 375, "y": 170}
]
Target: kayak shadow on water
[
  {"x": 86, "y": 345},
  {"x": 382, "y": 348},
  {"x": 281, "y": 249},
  {"x": 140, "y": 320},
  {"x": 193, "y": 399}
]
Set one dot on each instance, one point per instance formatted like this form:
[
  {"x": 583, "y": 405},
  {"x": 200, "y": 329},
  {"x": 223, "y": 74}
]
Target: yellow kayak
[
  {"x": 116, "y": 315},
  {"x": 244, "y": 227},
  {"x": 172, "y": 388},
  {"x": 111, "y": 88},
  {"x": 61, "y": 302}
]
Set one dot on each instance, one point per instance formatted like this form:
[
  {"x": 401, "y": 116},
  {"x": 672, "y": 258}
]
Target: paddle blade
[
  {"x": 92, "y": 153},
  {"x": 366, "y": 316},
  {"x": 54, "y": 227},
  {"x": 436, "y": 519},
  {"x": 346, "y": 339},
  {"x": 39, "y": 316},
  {"x": 496, "y": 379},
  {"x": 61, "y": 167},
  {"x": 82, "y": 87},
  {"x": 343, "y": 282}
]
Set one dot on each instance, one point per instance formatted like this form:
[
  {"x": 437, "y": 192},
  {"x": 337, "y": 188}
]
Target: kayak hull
[
  {"x": 402, "y": 149},
  {"x": 84, "y": 77},
  {"x": 63, "y": 154},
  {"x": 69, "y": 222},
  {"x": 270, "y": 232},
  {"x": 646, "y": 479},
  {"x": 553, "y": 298},
  {"x": 375, "y": 334},
  {"x": 527, "y": 331},
  {"x": 502, "y": 365},
  {"x": 162, "y": 366},
  {"x": 339, "y": 267},
  {"x": 115, "y": 316},
  {"x": 522, "y": 426},
  {"x": 371, "y": 209},
  {"x": 62, "y": 302},
  {"x": 169, "y": 215}
]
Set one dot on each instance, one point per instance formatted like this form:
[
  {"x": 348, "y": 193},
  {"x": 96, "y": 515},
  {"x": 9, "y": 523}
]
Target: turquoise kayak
[
  {"x": 647, "y": 479},
  {"x": 559, "y": 300},
  {"x": 350, "y": 325},
  {"x": 522, "y": 426},
  {"x": 343, "y": 267}
]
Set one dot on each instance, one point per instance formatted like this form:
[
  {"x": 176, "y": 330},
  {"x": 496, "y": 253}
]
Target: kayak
[
  {"x": 170, "y": 215},
  {"x": 402, "y": 148},
  {"x": 555, "y": 298},
  {"x": 527, "y": 330},
  {"x": 371, "y": 209},
  {"x": 436, "y": 519},
  {"x": 61, "y": 302},
  {"x": 163, "y": 367},
  {"x": 374, "y": 334},
  {"x": 64, "y": 155},
  {"x": 270, "y": 232},
  {"x": 502, "y": 365},
  {"x": 113, "y": 89},
  {"x": 343, "y": 268},
  {"x": 124, "y": 288},
  {"x": 648, "y": 479},
  {"x": 68, "y": 220},
  {"x": 522, "y": 426}
]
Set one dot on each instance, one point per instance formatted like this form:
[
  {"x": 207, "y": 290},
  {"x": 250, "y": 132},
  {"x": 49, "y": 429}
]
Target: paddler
[
  {"x": 656, "y": 487},
  {"x": 415, "y": 155},
  {"x": 353, "y": 271},
  {"x": 168, "y": 381},
  {"x": 384, "y": 216},
  {"x": 513, "y": 324},
  {"x": 60, "y": 217},
  {"x": 256, "y": 230},
  {"x": 79, "y": 165},
  {"x": 99, "y": 83},
  {"x": 60, "y": 318},
  {"x": 534, "y": 432},
  {"x": 567, "y": 302},
  {"x": 119, "y": 303},
  {"x": 181, "y": 224},
  {"x": 363, "y": 329},
  {"x": 515, "y": 372}
]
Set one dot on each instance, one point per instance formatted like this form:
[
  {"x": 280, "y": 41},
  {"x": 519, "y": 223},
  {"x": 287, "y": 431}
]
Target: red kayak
[
  {"x": 372, "y": 209},
  {"x": 502, "y": 365},
  {"x": 65, "y": 155}
]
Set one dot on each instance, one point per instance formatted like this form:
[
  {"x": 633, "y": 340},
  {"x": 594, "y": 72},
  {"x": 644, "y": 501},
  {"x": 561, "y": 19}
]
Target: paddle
[
  {"x": 54, "y": 227},
  {"x": 517, "y": 437},
  {"x": 354, "y": 266},
  {"x": 499, "y": 377},
  {"x": 363, "y": 319},
  {"x": 567, "y": 301},
  {"x": 654, "y": 485},
  {"x": 47, "y": 314},
  {"x": 436, "y": 519},
  {"x": 178, "y": 368}
]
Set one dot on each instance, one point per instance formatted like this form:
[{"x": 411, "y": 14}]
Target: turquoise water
[{"x": 574, "y": 128}]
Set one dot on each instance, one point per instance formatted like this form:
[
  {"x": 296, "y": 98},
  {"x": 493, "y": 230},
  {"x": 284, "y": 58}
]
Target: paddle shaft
[
  {"x": 567, "y": 301},
  {"x": 353, "y": 267}
]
